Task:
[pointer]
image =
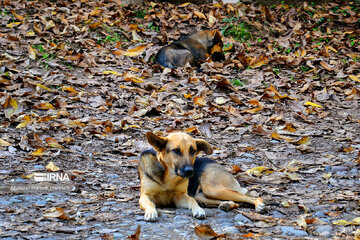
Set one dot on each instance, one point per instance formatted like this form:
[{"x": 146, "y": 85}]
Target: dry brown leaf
[{"x": 204, "y": 231}]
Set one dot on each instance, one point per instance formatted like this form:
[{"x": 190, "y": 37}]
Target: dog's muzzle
[{"x": 185, "y": 171}]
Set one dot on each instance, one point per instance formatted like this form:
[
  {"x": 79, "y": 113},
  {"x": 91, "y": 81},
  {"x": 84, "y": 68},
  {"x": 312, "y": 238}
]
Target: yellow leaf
[
  {"x": 184, "y": 4},
  {"x": 13, "y": 24},
  {"x": 285, "y": 204},
  {"x": 27, "y": 121},
  {"x": 52, "y": 167},
  {"x": 44, "y": 106},
  {"x": 32, "y": 52},
  {"x": 69, "y": 89},
  {"x": 257, "y": 171},
  {"x": 187, "y": 95},
  {"x": 135, "y": 51},
  {"x": 131, "y": 77},
  {"x": 356, "y": 221},
  {"x": 212, "y": 19},
  {"x": 354, "y": 78},
  {"x": 312, "y": 104},
  {"x": 200, "y": 15},
  {"x": 43, "y": 87},
  {"x": 326, "y": 176},
  {"x": 112, "y": 72},
  {"x": 29, "y": 176},
  {"x": 4, "y": 143},
  {"x": 199, "y": 100},
  {"x": 303, "y": 140},
  {"x": 30, "y": 34},
  {"x": 292, "y": 176},
  {"x": 342, "y": 222},
  {"x": 38, "y": 152}
]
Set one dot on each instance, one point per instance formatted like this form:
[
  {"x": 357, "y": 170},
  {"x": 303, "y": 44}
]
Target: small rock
[
  {"x": 339, "y": 168},
  {"x": 324, "y": 230},
  {"x": 319, "y": 214},
  {"x": 248, "y": 155},
  {"x": 241, "y": 219},
  {"x": 240, "y": 160},
  {"x": 327, "y": 168},
  {"x": 230, "y": 230},
  {"x": 291, "y": 231},
  {"x": 277, "y": 214},
  {"x": 274, "y": 141}
]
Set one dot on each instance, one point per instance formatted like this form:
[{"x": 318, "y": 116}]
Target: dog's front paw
[
  {"x": 151, "y": 216},
  {"x": 199, "y": 213},
  {"x": 228, "y": 205},
  {"x": 259, "y": 205}
]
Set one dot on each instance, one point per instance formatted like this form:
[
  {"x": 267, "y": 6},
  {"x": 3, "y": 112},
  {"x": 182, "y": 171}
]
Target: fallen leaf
[
  {"x": 4, "y": 143},
  {"x": 38, "y": 152},
  {"x": 354, "y": 78},
  {"x": 56, "y": 213},
  {"x": 199, "y": 100},
  {"x": 32, "y": 52},
  {"x": 312, "y": 104},
  {"x": 204, "y": 231},
  {"x": 136, "y": 235},
  {"x": 257, "y": 171},
  {"x": 52, "y": 167},
  {"x": 132, "y": 52}
]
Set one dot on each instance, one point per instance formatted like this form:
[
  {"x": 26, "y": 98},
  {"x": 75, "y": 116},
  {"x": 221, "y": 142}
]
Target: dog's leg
[
  {"x": 148, "y": 206},
  {"x": 223, "y": 205},
  {"x": 183, "y": 200},
  {"x": 233, "y": 195}
]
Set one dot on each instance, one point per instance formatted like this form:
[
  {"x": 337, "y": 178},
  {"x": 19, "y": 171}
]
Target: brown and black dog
[
  {"x": 172, "y": 174},
  {"x": 193, "y": 49}
]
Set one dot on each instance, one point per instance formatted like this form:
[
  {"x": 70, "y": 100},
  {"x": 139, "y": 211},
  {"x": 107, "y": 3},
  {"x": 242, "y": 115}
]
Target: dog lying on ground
[
  {"x": 172, "y": 174},
  {"x": 193, "y": 49}
]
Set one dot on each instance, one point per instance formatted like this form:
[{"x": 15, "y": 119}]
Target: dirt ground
[{"x": 78, "y": 90}]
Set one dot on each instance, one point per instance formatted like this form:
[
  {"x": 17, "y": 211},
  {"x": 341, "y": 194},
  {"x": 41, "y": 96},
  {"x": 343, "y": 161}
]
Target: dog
[
  {"x": 172, "y": 174},
  {"x": 192, "y": 49}
]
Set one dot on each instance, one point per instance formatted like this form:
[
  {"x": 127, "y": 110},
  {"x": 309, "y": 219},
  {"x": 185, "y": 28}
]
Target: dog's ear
[
  {"x": 203, "y": 145},
  {"x": 158, "y": 143},
  {"x": 217, "y": 36}
]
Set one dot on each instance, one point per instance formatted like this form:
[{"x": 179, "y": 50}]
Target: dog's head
[
  {"x": 216, "y": 51},
  {"x": 178, "y": 151}
]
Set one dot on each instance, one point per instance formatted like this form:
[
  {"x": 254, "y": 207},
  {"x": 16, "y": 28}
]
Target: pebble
[
  {"x": 277, "y": 214},
  {"x": 241, "y": 219},
  {"x": 248, "y": 155},
  {"x": 291, "y": 231},
  {"x": 324, "y": 230},
  {"x": 230, "y": 230},
  {"x": 319, "y": 214},
  {"x": 274, "y": 141},
  {"x": 339, "y": 168},
  {"x": 240, "y": 160}
]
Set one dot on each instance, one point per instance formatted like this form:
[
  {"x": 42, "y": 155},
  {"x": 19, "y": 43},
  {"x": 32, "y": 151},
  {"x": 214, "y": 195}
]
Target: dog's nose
[{"x": 187, "y": 171}]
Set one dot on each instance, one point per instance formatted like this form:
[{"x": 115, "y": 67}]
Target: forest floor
[{"x": 79, "y": 92}]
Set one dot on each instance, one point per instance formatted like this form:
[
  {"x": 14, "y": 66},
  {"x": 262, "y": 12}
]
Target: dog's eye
[
  {"x": 176, "y": 151},
  {"x": 192, "y": 151}
]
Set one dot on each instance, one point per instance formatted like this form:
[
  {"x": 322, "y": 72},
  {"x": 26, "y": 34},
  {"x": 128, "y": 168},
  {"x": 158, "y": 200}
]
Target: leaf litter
[{"x": 78, "y": 92}]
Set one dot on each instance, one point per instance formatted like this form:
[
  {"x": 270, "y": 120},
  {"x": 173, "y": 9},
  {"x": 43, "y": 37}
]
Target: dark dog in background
[
  {"x": 172, "y": 174},
  {"x": 193, "y": 49}
]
